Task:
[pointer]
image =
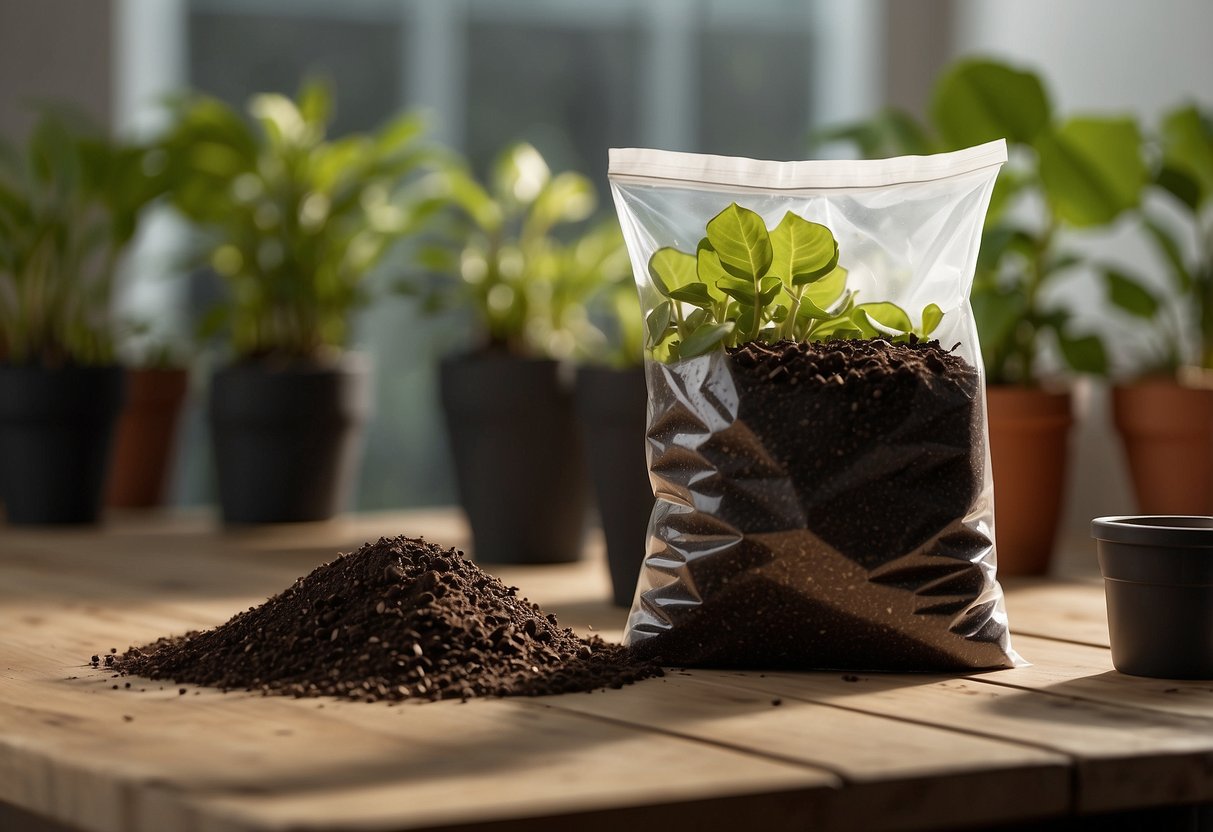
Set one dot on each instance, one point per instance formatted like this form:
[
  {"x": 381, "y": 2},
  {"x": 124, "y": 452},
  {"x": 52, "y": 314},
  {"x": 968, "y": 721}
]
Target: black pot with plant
[
  {"x": 68, "y": 208},
  {"x": 294, "y": 222},
  {"x": 611, "y": 400},
  {"x": 525, "y": 491}
]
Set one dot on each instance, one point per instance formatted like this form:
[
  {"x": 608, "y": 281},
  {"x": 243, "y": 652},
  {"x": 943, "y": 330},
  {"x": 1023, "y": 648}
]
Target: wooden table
[{"x": 1066, "y": 737}]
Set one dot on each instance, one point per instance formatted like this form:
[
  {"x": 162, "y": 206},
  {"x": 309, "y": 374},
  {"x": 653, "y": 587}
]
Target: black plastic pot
[
  {"x": 518, "y": 463},
  {"x": 1158, "y": 576},
  {"x": 288, "y": 440},
  {"x": 611, "y": 408},
  {"x": 56, "y": 429}
]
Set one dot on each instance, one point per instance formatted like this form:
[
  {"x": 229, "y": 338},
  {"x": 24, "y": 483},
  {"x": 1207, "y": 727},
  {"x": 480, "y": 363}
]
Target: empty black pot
[
  {"x": 611, "y": 405},
  {"x": 518, "y": 462},
  {"x": 56, "y": 429},
  {"x": 1158, "y": 577},
  {"x": 288, "y": 440}
]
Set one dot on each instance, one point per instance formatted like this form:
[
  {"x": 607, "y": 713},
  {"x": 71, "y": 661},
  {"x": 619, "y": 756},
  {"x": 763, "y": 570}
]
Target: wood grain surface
[{"x": 1065, "y": 736}]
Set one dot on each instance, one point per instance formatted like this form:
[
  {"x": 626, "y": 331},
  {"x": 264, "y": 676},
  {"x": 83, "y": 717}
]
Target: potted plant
[
  {"x": 508, "y": 401},
  {"x": 146, "y": 435},
  {"x": 610, "y": 396},
  {"x": 69, "y": 205},
  {"x": 1164, "y": 411},
  {"x": 292, "y": 223},
  {"x": 1079, "y": 173}
]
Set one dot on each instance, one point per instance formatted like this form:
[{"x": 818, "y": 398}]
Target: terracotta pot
[
  {"x": 1167, "y": 431},
  {"x": 1029, "y": 432},
  {"x": 146, "y": 438}
]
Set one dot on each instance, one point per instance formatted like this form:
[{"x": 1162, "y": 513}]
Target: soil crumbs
[{"x": 400, "y": 619}]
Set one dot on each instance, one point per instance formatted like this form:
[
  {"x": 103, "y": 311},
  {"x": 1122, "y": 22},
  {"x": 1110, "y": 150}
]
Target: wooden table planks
[{"x": 1067, "y": 735}]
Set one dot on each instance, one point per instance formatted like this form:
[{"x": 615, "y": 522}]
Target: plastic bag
[{"x": 816, "y": 427}]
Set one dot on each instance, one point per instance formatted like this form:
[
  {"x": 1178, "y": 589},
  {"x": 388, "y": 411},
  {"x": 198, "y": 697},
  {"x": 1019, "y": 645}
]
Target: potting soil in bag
[{"x": 816, "y": 426}]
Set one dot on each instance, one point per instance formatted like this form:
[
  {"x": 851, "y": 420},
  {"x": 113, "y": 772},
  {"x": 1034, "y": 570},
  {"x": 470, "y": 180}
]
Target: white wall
[{"x": 1099, "y": 55}]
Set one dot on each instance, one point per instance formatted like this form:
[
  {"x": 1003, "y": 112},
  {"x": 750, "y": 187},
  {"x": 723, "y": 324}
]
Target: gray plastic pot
[{"x": 1158, "y": 577}]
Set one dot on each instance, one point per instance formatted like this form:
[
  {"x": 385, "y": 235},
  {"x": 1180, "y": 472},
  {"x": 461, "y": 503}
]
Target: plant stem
[{"x": 1028, "y": 332}]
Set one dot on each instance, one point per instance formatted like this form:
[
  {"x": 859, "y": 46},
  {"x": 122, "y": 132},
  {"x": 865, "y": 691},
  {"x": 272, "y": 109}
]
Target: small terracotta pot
[
  {"x": 146, "y": 438},
  {"x": 1029, "y": 433},
  {"x": 1167, "y": 431}
]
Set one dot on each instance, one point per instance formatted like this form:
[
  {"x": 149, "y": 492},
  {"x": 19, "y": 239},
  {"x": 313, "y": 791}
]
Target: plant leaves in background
[
  {"x": 1127, "y": 294},
  {"x": 1092, "y": 169},
  {"x": 977, "y": 101},
  {"x": 1188, "y": 146},
  {"x": 1084, "y": 354}
]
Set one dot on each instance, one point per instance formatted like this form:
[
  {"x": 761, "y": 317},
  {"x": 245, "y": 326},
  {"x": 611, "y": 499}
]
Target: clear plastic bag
[{"x": 825, "y": 505}]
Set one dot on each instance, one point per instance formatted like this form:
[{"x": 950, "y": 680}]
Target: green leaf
[
  {"x": 739, "y": 237},
  {"x": 888, "y": 317},
  {"x": 1169, "y": 247},
  {"x": 977, "y": 101},
  {"x": 670, "y": 268},
  {"x": 932, "y": 315},
  {"x": 1092, "y": 169},
  {"x": 1127, "y": 294},
  {"x": 843, "y": 327},
  {"x": 891, "y": 132},
  {"x": 740, "y": 290},
  {"x": 1084, "y": 354},
  {"x": 708, "y": 267},
  {"x": 1180, "y": 184},
  {"x": 520, "y": 174},
  {"x": 829, "y": 289},
  {"x": 693, "y": 293},
  {"x": 997, "y": 313},
  {"x": 1188, "y": 145},
  {"x": 704, "y": 339},
  {"x": 769, "y": 289},
  {"x": 657, "y": 322},
  {"x": 811, "y": 311},
  {"x": 802, "y": 251}
]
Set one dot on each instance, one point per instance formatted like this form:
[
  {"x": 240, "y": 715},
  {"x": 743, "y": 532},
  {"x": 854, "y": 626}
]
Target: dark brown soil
[
  {"x": 823, "y": 526},
  {"x": 398, "y": 619}
]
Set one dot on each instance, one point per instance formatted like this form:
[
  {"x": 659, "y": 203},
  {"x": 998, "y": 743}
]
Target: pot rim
[{"x": 1178, "y": 530}]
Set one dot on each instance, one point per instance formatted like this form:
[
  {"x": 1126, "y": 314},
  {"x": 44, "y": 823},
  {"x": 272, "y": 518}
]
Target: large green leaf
[
  {"x": 657, "y": 322},
  {"x": 1092, "y": 169},
  {"x": 670, "y": 268},
  {"x": 1188, "y": 145},
  {"x": 1127, "y": 294},
  {"x": 932, "y": 315},
  {"x": 802, "y": 251},
  {"x": 739, "y": 237},
  {"x": 979, "y": 100}
]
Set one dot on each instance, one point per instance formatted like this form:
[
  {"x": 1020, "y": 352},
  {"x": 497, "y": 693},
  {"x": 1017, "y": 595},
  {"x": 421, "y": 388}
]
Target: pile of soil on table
[
  {"x": 822, "y": 526},
  {"x": 398, "y": 619}
]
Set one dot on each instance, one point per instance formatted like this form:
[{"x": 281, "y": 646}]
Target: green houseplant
[
  {"x": 507, "y": 401},
  {"x": 69, "y": 206},
  {"x": 1065, "y": 176},
  {"x": 292, "y": 222},
  {"x": 1164, "y": 410}
]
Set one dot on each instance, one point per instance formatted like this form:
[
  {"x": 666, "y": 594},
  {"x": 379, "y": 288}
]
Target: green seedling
[{"x": 747, "y": 283}]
